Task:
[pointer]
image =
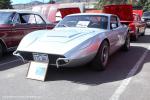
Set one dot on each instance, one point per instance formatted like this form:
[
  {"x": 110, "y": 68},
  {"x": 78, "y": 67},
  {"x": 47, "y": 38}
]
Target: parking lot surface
[{"x": 126, "y": 78}]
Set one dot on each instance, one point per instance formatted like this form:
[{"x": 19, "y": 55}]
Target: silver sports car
[{"x": 78, "y": 39}]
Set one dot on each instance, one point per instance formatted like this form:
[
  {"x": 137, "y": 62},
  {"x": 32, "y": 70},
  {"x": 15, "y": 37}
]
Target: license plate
[{"x": 40, "y": 57}]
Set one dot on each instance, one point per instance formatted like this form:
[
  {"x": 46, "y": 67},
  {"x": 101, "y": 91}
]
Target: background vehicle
[
  {"x": 139, "y": 24},
  {"x": 15, "y": 24},
  {"x": 146, "y": 18},
  {"x": 78, "y": 39},
  {"x": 55, "y": 12},
  {"x": 125, "y": 13}
]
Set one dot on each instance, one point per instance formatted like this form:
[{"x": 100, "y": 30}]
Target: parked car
[
  {"x": 139, "y": 25},
  {"x": 126, "y": 15},
  {"x": 15, "y": 24},
  {"x": 56, "y": 12},
  {"x": 78, "y": 39},
  {"x": 146, "y": 18}
]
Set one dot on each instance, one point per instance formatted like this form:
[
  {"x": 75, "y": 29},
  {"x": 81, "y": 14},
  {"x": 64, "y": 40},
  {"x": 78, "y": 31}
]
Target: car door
[
  {"x": 43, "y": 23},
  {"x": 114, "y": 33},
  {"x": 36, "y": 22},
  {"x": 7, "y": 29},
  {"x": 19, "y": 30}
]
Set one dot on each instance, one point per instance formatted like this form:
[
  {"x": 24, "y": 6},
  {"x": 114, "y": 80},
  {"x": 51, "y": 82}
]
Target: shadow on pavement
[
  {"x": 143, "y": 39},
  {"x": 9, "y": 61},
  {"x": 119, "y": 66}
]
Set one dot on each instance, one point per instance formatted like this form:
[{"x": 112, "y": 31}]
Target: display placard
[{"x": 37, "y": 70}]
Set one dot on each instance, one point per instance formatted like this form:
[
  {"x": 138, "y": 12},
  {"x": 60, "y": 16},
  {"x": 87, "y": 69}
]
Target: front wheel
[{"x": 101, "y": 59}]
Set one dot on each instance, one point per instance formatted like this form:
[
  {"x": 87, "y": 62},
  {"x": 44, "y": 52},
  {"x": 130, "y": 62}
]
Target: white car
[{"x": 78, "y": 39}]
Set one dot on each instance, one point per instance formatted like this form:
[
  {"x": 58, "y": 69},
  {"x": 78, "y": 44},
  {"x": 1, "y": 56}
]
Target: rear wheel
[
  {"x": 136, "y": 36},
  {"x": 1, "y": 51},
  {"x": 126, "y": 45},
  {"x": 143, "y": 33},
  {"x": 101, "y": 59}
]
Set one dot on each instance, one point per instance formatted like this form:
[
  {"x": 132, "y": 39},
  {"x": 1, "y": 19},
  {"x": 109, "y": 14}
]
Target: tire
[
  {"x": 143, "y": 33},
  {"x": 126, "y": 45},
  {"x": 101, "y": 59},
  {"x": 135, "y": 37},
  {"x": 1, "y": 51}
]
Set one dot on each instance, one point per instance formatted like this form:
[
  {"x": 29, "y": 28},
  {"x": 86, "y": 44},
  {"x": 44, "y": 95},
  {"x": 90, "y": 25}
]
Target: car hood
[
  {"x": 58, "y": 40},
  {"x": 144, "y": 17},
  {"x": 61, "y": 35}
]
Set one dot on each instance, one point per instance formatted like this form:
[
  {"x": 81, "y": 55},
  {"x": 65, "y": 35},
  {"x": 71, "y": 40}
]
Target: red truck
[{"x": 126, "y": 15}]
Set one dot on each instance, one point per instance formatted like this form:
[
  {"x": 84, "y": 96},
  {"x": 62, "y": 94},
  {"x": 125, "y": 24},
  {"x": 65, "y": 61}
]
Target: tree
[
  {"x": 51, "y": 1},
  {"x": 5, "y": 4},
  {"x": 147, "y": 6},
  {"x": 137, "y": 3},
  {"x": 101, "y": 3}
]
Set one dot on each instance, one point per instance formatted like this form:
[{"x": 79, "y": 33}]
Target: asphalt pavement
[{"x": 127, "y": 77}]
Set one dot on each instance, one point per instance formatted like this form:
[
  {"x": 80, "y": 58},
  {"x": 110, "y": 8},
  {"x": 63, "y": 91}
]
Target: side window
[
  {"x": 24, "y": 18},
  {"x": 39, "y": 20},
  {"x": 58, "y": 16},
  {"x": 16, "y": 19},
  {"x": 113, "y": 22},
  {"x": 32, "y": 19}
]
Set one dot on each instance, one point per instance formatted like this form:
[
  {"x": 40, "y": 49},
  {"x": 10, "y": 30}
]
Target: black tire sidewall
[
  {"x": 98, "y": 63},
  {"x": 1, "y": 50},
  {"x": 125, "y": 46}
]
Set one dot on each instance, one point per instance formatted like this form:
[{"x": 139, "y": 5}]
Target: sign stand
[{"x": 37, "y": 70}]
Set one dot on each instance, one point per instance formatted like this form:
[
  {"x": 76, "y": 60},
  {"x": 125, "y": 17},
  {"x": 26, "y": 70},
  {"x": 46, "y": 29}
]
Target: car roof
[
  {"x": 25, "y": 11},
  {"x": 105, "y": 14},
  {"x": 18, "y": 11}
]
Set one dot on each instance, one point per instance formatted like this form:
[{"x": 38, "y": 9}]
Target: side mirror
[{"x": 113, "y": 26}]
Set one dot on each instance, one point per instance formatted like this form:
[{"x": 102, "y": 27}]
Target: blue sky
[{"x": 25, "y": 1}]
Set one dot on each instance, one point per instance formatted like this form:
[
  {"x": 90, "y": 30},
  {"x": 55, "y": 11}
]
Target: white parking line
[
  {"x": 9, "y": 62},
  {"x": 126, "y": 81}
]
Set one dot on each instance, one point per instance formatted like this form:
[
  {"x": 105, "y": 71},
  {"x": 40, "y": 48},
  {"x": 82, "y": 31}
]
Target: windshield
[
  {"x": 85, "y": 21},
  {"x": 6, "y": 17},
  {"x": 146, "y": 14}
]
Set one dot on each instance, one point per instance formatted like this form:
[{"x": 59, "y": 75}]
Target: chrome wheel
[
  {"x": 104, "y": 55},
  {"x": 101, "y": 59}
]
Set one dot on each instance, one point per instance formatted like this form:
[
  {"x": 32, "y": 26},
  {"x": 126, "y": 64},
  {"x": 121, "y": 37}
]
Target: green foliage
[
  {"x": 101, "y": 3},
  {"x": 5, "y": 4},
  {"x": 147, "y": 6},
  {"x": 51, "y": 1}
]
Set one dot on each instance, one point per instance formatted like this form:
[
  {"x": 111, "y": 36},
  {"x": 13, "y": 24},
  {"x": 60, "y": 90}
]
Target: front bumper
[{"x": 56, "y": 60}]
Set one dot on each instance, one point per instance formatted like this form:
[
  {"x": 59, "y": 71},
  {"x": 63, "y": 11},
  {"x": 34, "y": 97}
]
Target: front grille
[
  {"x": 52, "y": 58},
  {"x": 27, "y": 55}
]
